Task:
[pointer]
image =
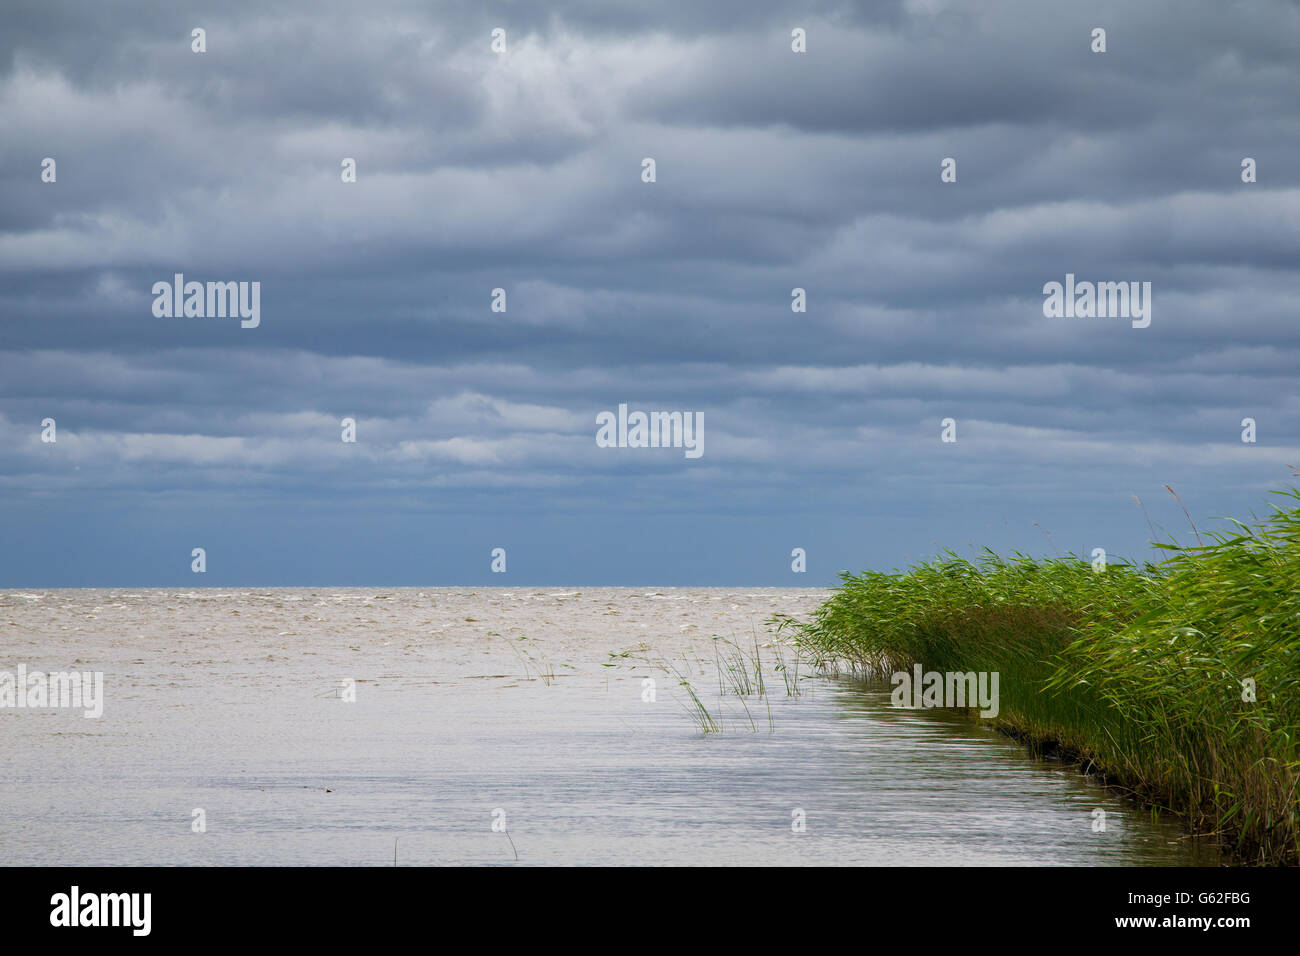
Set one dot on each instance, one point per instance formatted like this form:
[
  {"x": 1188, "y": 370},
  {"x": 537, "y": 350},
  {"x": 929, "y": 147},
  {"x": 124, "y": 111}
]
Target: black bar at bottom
[{"x": 335, "y": 905}]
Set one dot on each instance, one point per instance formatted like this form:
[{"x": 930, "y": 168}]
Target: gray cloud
[{"x": 775, "y": 170}]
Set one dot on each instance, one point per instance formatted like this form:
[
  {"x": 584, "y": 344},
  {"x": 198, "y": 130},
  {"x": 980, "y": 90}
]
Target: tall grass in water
[
  {"x": 1136, "y": 672},
  {"x": 740, "y": 675}
]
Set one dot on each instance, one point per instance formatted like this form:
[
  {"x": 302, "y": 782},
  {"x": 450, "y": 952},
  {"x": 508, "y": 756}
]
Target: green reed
[{"x": 1140, "y": 674}]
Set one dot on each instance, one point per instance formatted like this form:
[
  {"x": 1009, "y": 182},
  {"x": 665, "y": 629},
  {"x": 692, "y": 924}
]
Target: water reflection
[{"x": 525, "y": 701}]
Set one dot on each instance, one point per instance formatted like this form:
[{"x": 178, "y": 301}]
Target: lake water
[{"x": 522, "y": 706}]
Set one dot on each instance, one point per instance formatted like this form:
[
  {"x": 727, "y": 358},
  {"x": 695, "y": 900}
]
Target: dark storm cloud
[{"x": 775, "y": 171}]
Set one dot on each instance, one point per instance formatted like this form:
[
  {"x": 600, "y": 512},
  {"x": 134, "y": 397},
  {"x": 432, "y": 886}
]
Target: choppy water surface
[{"x": 525, "y": 700}]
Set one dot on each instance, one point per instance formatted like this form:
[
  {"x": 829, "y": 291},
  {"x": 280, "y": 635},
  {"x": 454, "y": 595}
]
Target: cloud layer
[{"x": 522, "y": 171}]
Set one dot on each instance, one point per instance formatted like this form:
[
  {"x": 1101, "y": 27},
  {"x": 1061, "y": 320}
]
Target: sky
[{"x": 522, "y": 170}]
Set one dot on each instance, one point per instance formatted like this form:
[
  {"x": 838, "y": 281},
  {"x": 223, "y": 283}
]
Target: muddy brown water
[{"x": 526, "y": 708}]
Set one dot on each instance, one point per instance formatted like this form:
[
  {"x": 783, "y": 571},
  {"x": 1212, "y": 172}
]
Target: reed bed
[{"x": 1176, "y": 681}]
